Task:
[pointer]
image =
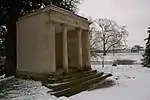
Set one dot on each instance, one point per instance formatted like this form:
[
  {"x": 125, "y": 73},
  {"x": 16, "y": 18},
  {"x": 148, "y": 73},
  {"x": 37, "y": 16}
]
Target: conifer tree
[{"x": 146, "y": 55}]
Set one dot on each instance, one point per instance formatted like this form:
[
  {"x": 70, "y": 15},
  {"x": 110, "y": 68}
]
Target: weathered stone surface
[
  {"x": 75, "y": 82},
  {"x": 70, "y": 76},
  {"x": 75, "y": 85},
  {"x": 81, "y": 87}
]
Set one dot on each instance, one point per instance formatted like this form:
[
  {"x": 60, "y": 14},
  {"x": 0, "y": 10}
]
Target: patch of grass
[{"x": 124, "y": 62}]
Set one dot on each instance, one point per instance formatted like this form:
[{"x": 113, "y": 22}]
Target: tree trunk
[
  {"x": 104, "y": 49},
  {"x": 11, "y": 49},
  {"x": 104, "y": 53},
  {"x": 113, "y": 50},
  {"x": 104, "y": 45},
  {"x": 103, "y": 60},
  {"x": 10, "y": 45}
]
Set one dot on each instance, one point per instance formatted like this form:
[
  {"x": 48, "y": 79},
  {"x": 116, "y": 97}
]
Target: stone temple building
[{"x": 52, "y": 40}]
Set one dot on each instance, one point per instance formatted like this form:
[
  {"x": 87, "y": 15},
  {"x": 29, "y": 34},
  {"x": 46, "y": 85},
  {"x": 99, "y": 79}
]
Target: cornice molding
[{"x": 50, "y": 8}]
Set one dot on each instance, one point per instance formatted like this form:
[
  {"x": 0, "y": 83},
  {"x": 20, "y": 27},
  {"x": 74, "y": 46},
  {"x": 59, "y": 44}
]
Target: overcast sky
[{"x": 135, "y": 14}]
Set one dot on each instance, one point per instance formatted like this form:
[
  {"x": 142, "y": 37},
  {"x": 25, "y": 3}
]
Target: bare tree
[
  {"x": 106, "y": 34},
  {"x": 94, "y": 40},
  {"x": 109, "y": 35}
]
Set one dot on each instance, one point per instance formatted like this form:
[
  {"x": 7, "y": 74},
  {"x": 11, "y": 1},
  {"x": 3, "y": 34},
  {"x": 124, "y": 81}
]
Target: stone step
[
  {"x": 65, "y": 78},
  {"x": 77, "y": 76},
  {"x": 67, "y": 75},
  {"x": 63, "y": 81},
  {"x": 81, "y": 87},
  {"x": 75, "y": 82},
  {"x": 70, "y": 84}
]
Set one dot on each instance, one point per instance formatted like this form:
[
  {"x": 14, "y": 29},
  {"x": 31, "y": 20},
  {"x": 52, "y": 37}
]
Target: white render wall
[{"x": 35, "y": 45}]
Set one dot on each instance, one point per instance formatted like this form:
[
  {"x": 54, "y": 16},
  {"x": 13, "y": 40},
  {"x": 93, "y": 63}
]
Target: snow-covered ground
[{"x": 132, "y": 83}]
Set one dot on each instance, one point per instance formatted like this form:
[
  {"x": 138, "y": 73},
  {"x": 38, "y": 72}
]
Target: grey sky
[{"x": 135, "y": 14}]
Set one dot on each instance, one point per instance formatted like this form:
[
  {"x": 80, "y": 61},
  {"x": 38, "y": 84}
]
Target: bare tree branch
[
  {"x": 106, "y": 34},
  {"x": 114, "y": 44}
]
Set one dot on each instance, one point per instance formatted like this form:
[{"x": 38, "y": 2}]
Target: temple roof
[{"x": 57, "y": 9}]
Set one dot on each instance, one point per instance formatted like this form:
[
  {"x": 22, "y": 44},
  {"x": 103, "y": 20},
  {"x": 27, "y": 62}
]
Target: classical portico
[{"x": 50, "y": 40}]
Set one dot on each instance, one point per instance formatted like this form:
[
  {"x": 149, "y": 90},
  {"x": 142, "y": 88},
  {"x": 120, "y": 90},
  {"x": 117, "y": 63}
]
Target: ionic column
[
  {"x": 79, "y": 44},
  {"x": 65, "y": 48}
]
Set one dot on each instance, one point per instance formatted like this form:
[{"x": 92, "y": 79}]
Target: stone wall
[{"x": 34, "y": 45}]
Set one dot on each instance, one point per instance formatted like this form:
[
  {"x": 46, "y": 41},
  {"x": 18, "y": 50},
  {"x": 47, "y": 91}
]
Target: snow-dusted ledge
[{"x": 5, "y": 79}]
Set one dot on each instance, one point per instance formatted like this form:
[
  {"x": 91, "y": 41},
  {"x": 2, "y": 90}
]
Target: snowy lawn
[
  {"x": 18, "y": 89},
  {"x": 109, "y": 58},
  {"x": 132, "y": 83}
]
